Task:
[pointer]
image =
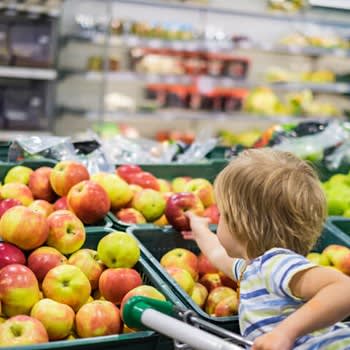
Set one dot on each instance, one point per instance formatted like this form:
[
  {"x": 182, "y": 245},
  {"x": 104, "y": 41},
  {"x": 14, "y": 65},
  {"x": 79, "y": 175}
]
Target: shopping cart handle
[{"x": 135, "y": 306}]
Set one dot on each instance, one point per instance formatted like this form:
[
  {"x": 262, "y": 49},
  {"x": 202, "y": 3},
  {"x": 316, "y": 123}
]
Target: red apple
[
  {"x": 205, "y": 266},
  {"x": 182, "y": 277},
  {"x": 216, "y": 296},
  {"x": 98, "y": 318},
  {"x": 145, "y": 180},
  {"x": 39, "y": 184},
  {"x": 66, "y": 174},
  {"x": 127, "y": 170},
  {"x": 7, "y": 204},
  {"x": 19, "y": 289},
  {"x": 212, "y": 213},
  {"x": 61, "y": 204},
  {"x": 43, "y": 259},
  {"x": 227, "y": 306},
  {"x": 17, "y": 191},
  {"x": 24, "y": 228},
  {"x": 115, "y": 283},
  {"x": 42, "y": 207},
  {"x": 10, "y": 254},
  {"x": 89, "y": 201},
  {"x": 211, "y": 281},
  {"x": 130, "y": 216},
  {"x": 177, "y": 205},
  {"x": 199, "y": 294},
  {"x": 22, "y": 330},
  {"x": 227, "y": 281},
  {"x": 203, "y": 189},
  {"x": 66, "y": 232}
]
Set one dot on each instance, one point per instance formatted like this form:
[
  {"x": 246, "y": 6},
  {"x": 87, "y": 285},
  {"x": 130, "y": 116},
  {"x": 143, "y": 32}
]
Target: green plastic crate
[
  {"x": 143, "y": 340},
  {"x": 341, "y": 225},
  {"x": 4, "y": 149}
]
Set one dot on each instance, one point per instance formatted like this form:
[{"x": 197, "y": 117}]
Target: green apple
[
  {"x": 203, "y": 189},
  {"x": 150, "y": 203},
  {"x": 18, "y": 174},
  {"x": 338, "y": 179},
  {"x": 314, "y": 257},
  {"x": 118, "y": 249}
]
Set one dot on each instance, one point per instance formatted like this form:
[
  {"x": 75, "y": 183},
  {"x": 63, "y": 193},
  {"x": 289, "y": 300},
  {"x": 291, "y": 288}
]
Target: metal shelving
[{"x": 27, "y": 73}]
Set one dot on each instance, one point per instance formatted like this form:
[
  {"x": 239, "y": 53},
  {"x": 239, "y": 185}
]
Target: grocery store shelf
[
  {"x": 27, "y": 73},
  {"x": 9, "y": 135}
]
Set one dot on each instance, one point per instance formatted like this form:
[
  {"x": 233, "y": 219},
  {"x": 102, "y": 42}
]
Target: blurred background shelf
[{"x": 27, "y": 73}]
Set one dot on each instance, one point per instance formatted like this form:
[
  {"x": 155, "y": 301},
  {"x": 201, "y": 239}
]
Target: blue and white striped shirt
[{"x": 266, "y": 299}]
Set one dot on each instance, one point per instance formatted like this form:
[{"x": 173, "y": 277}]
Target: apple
[
  {"x": 24, "y": 228},
  {"x": 19, "y": 289},
  {"x": 22, "y": 330},
  {"x": 39, "y": 184},
  {"x": 216, "y": 296},
  {"x": 176, "y": 207},
  {"x": 117, "y": 189},
  {"x": 205, "y": 266},
  {"x": 211, "y": 281},
  {"x": 181, "y": 258},
  {"x": 162, "y": 221},
  {"x": 164, "y": 185},
  {"x": 17, "y": 191},
  {"x": 98, "y": 318},
  {"x": 7, "y": 204},
  {"x": 127, "y": 170},
  {"x": 43, "y": 259},
  {"x": 334, "y": 250},
  {"x": 61, "y": 204},
  {"x": 182, "y": 277},
  {"x": 66, "y": 232},
  {"x": 135, "y": 188},
  {"x": 145, "y": 291},
  {"x": 114, "y": 284},
  {"x": 66, "y": 174},
  {"x": 212, "y": 213},
  {"x": 67, "y": 284},
  {"x": 199, "y": 294},
  {"x": 130, "y": 216},
  {"x": 227, "y": 306},
  {"x": 88, "y": 261},
  {"x": 149, "y": 203},
  {"x": 203, "y": 189},
  {"x": 10, "y": 254},
  {"x": 118, "y": 249},
  {"x": 89, "y": 201},
  {"x": 227, "y": 281},
  {"x": 42, "y": 207},
  {"x": 179, "y": 183},
  {"x": 18, "y": 174},
  {"x": 57, "y": 318},
  {"x": 315, "y": 258},
  {"x": 145, "y": 180}
]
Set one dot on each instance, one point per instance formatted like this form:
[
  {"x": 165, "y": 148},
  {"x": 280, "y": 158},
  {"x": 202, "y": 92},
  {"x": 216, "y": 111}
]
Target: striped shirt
[{"x": 266, "y": 299}]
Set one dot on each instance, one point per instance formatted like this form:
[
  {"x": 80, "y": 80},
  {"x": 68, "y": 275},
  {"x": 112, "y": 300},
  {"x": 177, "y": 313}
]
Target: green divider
[{"x": 340, "y": 225}]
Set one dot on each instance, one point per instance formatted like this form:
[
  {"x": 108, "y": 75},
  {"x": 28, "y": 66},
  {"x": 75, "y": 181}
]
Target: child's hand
[
  {"x": 198, "y": 226},
  {"x": 274, "y": 340}
]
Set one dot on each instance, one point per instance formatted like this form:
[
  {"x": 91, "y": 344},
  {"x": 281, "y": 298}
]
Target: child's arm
[
  {"x": 327, "y": 292},
  {"x": 209, "y": 244}
]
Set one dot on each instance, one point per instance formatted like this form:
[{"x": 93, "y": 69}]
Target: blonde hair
[{"x": 271, "y": 199}]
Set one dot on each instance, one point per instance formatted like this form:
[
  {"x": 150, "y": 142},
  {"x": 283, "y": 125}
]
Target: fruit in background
[
  {"x": 42, "y": 207},
  {"x": 227, "y": 281},
  {"x": 135, "y": 188},
  {"x": 118, "y": 249},
  {"x": 98, "y": 318},
  {"x": 337, "y": 202},
  {"x": 199, "y": 294},
  {"x": 65, "y": 175},
  {"x": 19, "y": 174},
  {"x": 43, "y": 259},
  {"x": 167, "y": 195},
  {"x": 19, "y": 289},
  {"x": 89, "y": 201},
  {"x": 67, "y": 284},
  {"x": 339, "y": 256},
  {"x": 57, "y": 318},
  {"x": 61, "y": 204},
  {"x": 145, "y": 291},
  {"x": 39, "y": 184},
  {"x": 114, "y": 284},
  {"x": 203, "y": 189},
  {"x": 88, "y": 261},
  {"x": 145, "y": 180},
  {"x": 162, "y": 221},
  {"x": 205, "y": 266},
  {"x": 212, "y": 213},
  {"x": 216, "y": 296},
  {"x": 211, "y": 281},
  {"x": 149, "y": 203},
  {"x": 22, "y": 330},
  {"x": 17, "y": 191},
  {"x": 315, "y": 258},
  {"x": 179, "y": 183},
  {"x": 164, "y": 185},
  {"x": 10, "y": 254},
  {"x": 182, "y": 277},
  {"x": 24, "y": 228},
  {"x": 7, "y": 204},
  {"x": 261, "y": 100},
  {"x": 117, "y": 189},
  {"x": 176, "y": 207},
  {"x": 128, "y": 170},
  {"x": 183, "y": 259},
  {"x": 66, "y": 232},
  {"x": 130, "y": 216},
  {"x": 227, "y": 306}
]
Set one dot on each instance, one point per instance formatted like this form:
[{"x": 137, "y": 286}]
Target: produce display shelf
[{"x": 27, "y": 73}]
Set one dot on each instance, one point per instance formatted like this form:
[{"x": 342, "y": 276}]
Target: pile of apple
[
  {"x": 52, "y": 289},
  {"x": 334, "y": 256},
  {"x": 209, "y": 288},
  {"x": 158, "y": 201}
]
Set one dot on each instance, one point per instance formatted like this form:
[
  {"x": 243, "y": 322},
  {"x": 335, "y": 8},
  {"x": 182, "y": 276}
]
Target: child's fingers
[
  {"x": 189, "y": 214},
  {"x": 187, "y": 234}
]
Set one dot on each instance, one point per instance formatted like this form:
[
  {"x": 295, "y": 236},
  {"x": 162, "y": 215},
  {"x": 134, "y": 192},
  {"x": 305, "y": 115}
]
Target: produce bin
[
  {"x": 143, "y": 340},
  {"x": 340, "y": 225},
  {"x": 155, "y": 242},
  {"x": 4, "y": 148}
]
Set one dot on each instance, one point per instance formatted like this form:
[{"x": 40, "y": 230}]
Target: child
[{"x": 272, "y": 211}]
